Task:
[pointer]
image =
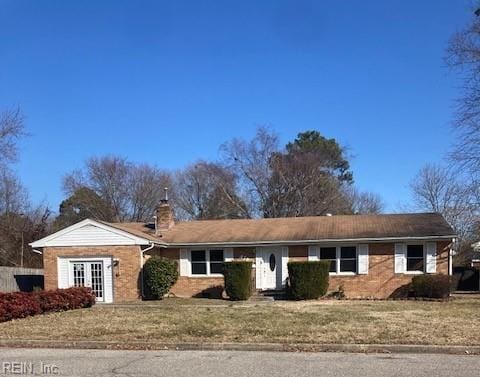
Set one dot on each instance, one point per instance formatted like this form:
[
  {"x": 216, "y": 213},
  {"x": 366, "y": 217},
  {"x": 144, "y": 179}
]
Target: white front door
[
  {"x": 271, "y": 268},
  {"x": 88, "y": 274}
]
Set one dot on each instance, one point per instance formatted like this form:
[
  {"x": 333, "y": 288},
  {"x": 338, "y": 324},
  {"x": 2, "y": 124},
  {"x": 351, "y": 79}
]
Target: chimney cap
[{"x": 165, "y": 197}]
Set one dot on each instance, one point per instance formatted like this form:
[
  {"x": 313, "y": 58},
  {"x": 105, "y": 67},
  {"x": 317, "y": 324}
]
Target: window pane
[
  {"x": 415, "y": 251},
  {"x": 348, "y": 252},
  {"x": 328, "y": 253},
  {"x": 348, "y": 265},
  {"x": 216, "y": 255},
  {"x": 198, "y": 256},
  {"x": 199, "y": 268},
  {"x": 415, "y": 264},
  {"x": 216, "y": 267}
]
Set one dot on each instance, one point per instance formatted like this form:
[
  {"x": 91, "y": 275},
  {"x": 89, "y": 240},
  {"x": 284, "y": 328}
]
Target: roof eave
[{"x": 307, "y": 242}]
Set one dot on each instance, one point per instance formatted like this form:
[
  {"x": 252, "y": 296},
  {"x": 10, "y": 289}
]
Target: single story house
[{"x": 371, "y": 255}]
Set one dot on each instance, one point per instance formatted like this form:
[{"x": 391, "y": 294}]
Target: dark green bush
[
  {"x": 431, "y": 286},
  {"x": 159, "y": 274},
  {"x": 308, "y": 280},
  {"x": 238, "y": 279}
]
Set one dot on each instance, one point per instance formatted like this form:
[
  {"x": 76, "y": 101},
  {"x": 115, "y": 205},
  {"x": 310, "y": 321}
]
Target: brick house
[{"x": 371, "y": 255}]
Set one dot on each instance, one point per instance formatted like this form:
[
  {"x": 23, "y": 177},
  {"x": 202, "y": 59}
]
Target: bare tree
[
  {"x": 365, "y": 203},
  {"x": 463, "y": 55},
  {"x": 13, "y": 196},
  {"x": 437, "y": 189},
  {"x": 131, "y": 190},
  {"x": 147, "y": 185},
  {"x": 249, "y": 160},
  {"x": 308, "y": 178},
  {"x": 299, "y": 187},
  {"x": 12, "y": 127},
  {"x": 207, "y": 190},
  {"x": 20, "y": 223}
]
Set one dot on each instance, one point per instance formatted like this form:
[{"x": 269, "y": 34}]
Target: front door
[
  {"x": 271, "y": 269},
  {"x": 88, "y": 274}
]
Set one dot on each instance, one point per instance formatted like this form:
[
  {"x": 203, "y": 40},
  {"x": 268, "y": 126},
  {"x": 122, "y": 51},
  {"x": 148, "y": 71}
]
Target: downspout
[
  {"x": 152, "y": 245},
  {"x": 450, "y": 257}
]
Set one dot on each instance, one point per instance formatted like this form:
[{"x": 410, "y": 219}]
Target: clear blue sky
[{"x": 168, "y": 82}]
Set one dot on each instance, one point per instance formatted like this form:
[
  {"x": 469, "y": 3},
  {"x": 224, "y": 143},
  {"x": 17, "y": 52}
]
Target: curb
[{"x": 266, "y": 347}]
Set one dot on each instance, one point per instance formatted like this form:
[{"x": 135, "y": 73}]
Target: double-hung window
[
  {"x": 330, "y": 254},
  {"x": 348, "y": 259},
  {"x": 343, "y": 259},
  {"x": 207, "y": 262},
  {"x": 415, "y": 258}
]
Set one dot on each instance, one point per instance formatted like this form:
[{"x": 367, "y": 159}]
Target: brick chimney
[{"x": 163, "y": 215}]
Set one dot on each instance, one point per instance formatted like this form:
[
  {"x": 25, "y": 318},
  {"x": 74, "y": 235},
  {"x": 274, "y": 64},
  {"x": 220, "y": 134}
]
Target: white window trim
[
  {"x": 207, "y": 261},
  {"x": 65, "y": 276},
  {"x": 424, "y": 246},
  {"x": 338, "y": 253}
]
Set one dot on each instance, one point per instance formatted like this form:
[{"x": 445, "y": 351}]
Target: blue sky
[{"x": 168, "y": 82}]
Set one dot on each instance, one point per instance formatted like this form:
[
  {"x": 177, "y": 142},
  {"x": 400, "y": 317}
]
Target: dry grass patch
[{"x": 455, "y": 322}]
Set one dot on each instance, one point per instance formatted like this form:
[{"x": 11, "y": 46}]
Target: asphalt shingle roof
[{"x": 340, "y": 227}]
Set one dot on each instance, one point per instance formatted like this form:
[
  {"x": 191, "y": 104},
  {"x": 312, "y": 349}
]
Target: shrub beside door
[
  {"x": 237, "y": 276},
  {"x": 308, "y": 280}
]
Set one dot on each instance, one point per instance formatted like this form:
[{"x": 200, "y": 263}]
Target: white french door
[{"x": 88, "y": 274}]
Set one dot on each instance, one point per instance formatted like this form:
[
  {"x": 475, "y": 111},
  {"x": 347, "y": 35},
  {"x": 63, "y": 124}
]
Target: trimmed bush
[
  {"x": 23, "y": 304},
  {"x": 238, "y": 279},
  {"x": 159, "y": 274},
  {"x": 431, "y": 286},
  {"x": 308, "y": 280}
]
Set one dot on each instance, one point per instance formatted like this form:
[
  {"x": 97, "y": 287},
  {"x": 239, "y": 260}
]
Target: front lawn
[{"x": 455, "y": 322}]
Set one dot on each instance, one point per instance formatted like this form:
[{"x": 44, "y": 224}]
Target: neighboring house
[{"x": 371, "y": 255}]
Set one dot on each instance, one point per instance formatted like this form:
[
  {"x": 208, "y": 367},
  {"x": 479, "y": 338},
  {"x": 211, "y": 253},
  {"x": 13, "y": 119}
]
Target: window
[
  {"x": 206, "y": 262},
  {"x": 415, "y": 258},
  {"x": 329, "y": 253},
  {"x": 216, "y": 261},
  {"x": 348, "y": 259},
  {"x": 199, "y": 262},
  {"x": 343, "y": 259}
]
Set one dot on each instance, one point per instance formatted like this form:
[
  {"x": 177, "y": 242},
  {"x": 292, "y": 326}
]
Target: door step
[
  {"x": 269, "y": 295},
  {"x": 259, "y": 298}
]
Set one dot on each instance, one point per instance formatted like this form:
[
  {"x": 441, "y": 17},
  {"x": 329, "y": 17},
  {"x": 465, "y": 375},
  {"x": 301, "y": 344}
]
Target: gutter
[{"x": 307, "y": 242}]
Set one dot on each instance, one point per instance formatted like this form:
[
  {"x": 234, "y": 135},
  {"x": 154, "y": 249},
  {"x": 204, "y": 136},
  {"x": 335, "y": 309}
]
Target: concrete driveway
[{"x": 230, "y": 363}]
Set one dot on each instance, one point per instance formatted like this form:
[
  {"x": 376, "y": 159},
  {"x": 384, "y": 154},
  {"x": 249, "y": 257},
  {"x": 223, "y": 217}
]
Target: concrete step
[
  {"x": 270, "y": 295},
  {"x": 259, "y": 298}
]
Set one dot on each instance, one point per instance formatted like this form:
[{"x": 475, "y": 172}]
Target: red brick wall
[
  {"x": 380, "y": 282},
  {"x": 126, "y": 275}
]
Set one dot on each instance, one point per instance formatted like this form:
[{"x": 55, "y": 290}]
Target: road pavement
[{"x": 55, "y": 362}]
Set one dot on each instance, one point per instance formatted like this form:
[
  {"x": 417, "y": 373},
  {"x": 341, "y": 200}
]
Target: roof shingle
[{"x": 291, "y": 229}]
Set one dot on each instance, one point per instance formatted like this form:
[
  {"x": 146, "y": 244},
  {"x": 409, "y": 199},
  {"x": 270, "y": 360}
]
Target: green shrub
[
  {"x": 308, "y": 280},
  {"x": 238, "y": 279},
  {"x": 431, "y": 286},
  {"x": 159, "y": 274}
]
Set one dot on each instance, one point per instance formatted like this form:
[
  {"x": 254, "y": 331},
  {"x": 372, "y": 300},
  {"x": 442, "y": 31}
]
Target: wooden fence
[{"x": 15, "y": 279}]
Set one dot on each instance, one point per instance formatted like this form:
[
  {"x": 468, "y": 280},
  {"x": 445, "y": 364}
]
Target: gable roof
[
  {"x": 91, "y": 233},
  {"x": 298, "y": 229}
]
